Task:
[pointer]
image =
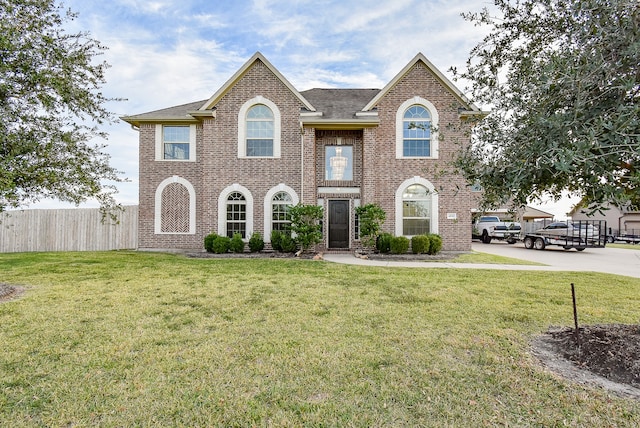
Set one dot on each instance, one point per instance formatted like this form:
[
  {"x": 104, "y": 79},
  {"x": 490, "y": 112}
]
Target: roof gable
[
  {"x": 441, "y": 77},
  {"x": 211, "y": 102}
]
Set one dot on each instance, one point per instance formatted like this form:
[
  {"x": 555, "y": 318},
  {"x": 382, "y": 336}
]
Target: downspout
[{"x": 301, "y": 163}]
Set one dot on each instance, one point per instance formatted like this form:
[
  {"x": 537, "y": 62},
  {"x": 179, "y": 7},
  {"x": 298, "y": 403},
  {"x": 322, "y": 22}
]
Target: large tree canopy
[
  {"x": 50, "y": 108},
  {"x": 562, "y": 80}
]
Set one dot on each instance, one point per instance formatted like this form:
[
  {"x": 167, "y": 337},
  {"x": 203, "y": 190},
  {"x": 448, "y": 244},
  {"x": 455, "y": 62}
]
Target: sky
[{"x": 165, "y": 53}]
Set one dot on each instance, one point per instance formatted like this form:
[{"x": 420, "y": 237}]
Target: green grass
[
  {"x": 625, "y": 246},
  {"x": 138, "y": 339}
]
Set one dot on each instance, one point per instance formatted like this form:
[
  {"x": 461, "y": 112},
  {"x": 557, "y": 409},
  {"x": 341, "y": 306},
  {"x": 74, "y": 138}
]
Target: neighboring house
[
  {"x": 235, "y": 162},
  {"x": 619, "y": 221}
]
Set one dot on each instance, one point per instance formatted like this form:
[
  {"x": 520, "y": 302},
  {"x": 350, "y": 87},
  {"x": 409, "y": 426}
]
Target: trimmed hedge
[
  {"x": 256, "y": 243},
  {"x": 420, "y": 244},
  {"x": 221, "y": 244},
  {"x": 208, "y": 242},
  {"x": 399, "y": 245},
  {"x": 435, "y": 244},
  {"x": 236, "y": 244},
  {"x": 383, "y": 243}
]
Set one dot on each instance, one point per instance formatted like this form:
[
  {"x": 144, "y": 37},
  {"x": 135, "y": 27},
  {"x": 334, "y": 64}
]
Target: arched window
[
  {"x": 416, "y": 125},
  {"x": 236, "y": 215},
  {"x": 280, "y": 206},
  {"x": 260, "y": 131},
  {"x": 416, "y": 210},
  {"x": 416, "y": 132}
]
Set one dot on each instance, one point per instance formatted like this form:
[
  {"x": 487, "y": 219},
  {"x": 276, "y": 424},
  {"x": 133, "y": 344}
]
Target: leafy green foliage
[
  {"x": 399, "y": 245},
  {"x": 305, "y": 224},
  {"x": 256, "y": 243},
  {"x": 221, "y": 244},
  {"x": 420, "y": 244},
  {"x": 435, "y": 244},
  {"x": 562, "y": 79},
  {"x": 209, "y": 240},
  {"x": 383, "y": 243},
  {"x": 288, "y": 244},
  {"x": 236, "y": 245},
  {"x": 276, "y": 240},
  {"x": 371, "y": 218},
  {"x": 50, "y": 109}
]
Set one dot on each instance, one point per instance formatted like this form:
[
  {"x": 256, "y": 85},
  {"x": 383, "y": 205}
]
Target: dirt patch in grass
[
  {"x": 607, "y": 356},
  {"x": 9, "y": 292}
]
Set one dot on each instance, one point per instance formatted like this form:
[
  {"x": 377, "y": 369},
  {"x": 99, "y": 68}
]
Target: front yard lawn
[{"x": 145, "y": 339}]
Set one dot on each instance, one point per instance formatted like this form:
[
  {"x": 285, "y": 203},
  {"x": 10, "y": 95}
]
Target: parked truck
[{"x": 487, "y": 228}]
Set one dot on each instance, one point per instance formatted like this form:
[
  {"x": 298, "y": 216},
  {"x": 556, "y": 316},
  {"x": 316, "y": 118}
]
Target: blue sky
[{"x": 165, "y": 53}]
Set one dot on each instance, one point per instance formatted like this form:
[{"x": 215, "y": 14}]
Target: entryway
[{"x": 338, "y": 224}]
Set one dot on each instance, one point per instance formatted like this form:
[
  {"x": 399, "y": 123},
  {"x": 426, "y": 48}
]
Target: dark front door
[{"x": 338, "y": 224}]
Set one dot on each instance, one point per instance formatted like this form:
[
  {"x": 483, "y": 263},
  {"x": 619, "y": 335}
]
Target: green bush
[
  {"x": 221, "y": 244},
  {"x": 237, "y": 244},
  {"x": 399, "y": 245},
  {"x": 256, "y": 243},
  {"x": 208, "y": 242},
  {"x": 287, "y": 244},
  {"x": 276, "y": 240},
  {"x": 420, "y": 244},
  {"x": 306, "y": 225},
  {"x": 435, "y": 242},
  {"x": 383, "y": 243}
]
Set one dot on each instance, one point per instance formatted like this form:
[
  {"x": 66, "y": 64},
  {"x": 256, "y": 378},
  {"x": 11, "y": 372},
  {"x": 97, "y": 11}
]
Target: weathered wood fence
[{"x": 80, "y": 229}]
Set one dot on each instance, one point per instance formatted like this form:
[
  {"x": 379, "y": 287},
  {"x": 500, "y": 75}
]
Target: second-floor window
[
  {"x": 175, "y": 142},
  {"x": 416, "y": 132},
  {"x": 260, "y": 130}
]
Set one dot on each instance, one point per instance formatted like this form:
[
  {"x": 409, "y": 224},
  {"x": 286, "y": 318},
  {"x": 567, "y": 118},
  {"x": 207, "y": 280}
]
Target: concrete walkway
[{"x": 607, "y": 260}]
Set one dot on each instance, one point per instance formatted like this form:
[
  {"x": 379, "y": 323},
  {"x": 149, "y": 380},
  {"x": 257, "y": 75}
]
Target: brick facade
[{"x": 377, "y": 173}]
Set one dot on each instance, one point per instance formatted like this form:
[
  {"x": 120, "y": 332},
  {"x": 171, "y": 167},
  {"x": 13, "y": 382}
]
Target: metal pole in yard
[{"x": 575, "y": 314}]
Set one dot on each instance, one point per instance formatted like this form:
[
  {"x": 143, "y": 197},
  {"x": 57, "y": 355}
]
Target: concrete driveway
[{"x": 608, "y": 260}]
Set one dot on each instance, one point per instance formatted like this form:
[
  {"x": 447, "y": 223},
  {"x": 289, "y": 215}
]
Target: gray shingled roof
[
  {"x": 339, "y": 103},
  {"x": 170, "y": 113}
]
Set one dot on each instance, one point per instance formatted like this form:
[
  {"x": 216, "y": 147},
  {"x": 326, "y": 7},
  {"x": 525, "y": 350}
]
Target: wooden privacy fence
[{"x": 79, "y": 229}]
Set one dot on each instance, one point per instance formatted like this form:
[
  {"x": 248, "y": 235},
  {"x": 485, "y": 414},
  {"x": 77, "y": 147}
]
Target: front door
[{"x": 338, "y": 224}]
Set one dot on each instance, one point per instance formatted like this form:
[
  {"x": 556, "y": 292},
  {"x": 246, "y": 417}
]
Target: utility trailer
[{"x": 569, "y": 234}]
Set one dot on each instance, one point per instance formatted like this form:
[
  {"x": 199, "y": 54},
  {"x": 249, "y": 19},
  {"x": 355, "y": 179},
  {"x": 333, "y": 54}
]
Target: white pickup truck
[{"x": 487, "y": 228}]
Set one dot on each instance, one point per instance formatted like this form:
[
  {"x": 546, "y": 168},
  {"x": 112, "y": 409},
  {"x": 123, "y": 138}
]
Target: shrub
[
  {"x": 370, "y": 217},
  {"x": 305, "y": 224},
  {"x": 435, "y": 244},
  {"x": 237, "y": 244},
  {"x": 383, "y": 243},
  {"x": 276, "y": 240},
  {"x": 256, "y": 243},
  {"x": 287, "y": 244},
  {"x": 221, "y": 244},
  {"x": 399, "y": 245},
  {"x": 420, "y": 244},
  {"x": 208, "y": 242}
]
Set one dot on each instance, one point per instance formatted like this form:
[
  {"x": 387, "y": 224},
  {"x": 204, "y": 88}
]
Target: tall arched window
[
  {"x": 416, "y": 210},
  {"x": 260, "y": 130},
  {"x": 280, "y": 206},
  {"x": 416, "y": 129},
  {"x": 236, "y": 214},
  {"x": 416, "y": 132}
]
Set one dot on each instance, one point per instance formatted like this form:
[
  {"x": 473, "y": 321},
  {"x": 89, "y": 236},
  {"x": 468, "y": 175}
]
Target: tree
[
  {"x": 50, "y": 109},
  {"x": 563, "y": 81},
  {"x": 305, "y": 225},
  {"x": 370, "y": 217}
]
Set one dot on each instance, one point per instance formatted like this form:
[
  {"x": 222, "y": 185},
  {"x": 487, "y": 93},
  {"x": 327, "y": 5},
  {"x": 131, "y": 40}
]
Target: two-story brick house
[{"x": 234, "y": 162}]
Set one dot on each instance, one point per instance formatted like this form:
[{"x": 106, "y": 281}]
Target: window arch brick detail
[
  {"x": 399, "y": 203},
  {"x": 175, "y": 207},
  {"x": 242, "y": 125},
  {"x": 400, "y": 125},
  {"x": 268, "y": 200},
  {"x": 222, "y": 208}
]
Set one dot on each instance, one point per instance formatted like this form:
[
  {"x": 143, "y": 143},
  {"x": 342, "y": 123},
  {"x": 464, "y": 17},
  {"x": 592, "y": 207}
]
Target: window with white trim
[
  {"x": 280, "y": 206},
  {"x": 416, "y": 132},
  {"x": 416, "y": 210},
  {"x": 175, "y": 142},
  {"x": 416, "y": 125},
  {"x": 259, "y": 129},
  {"x": 236, "y": 215}
]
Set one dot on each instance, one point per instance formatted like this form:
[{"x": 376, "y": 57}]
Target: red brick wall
[{"x": 377, "y": 172}]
